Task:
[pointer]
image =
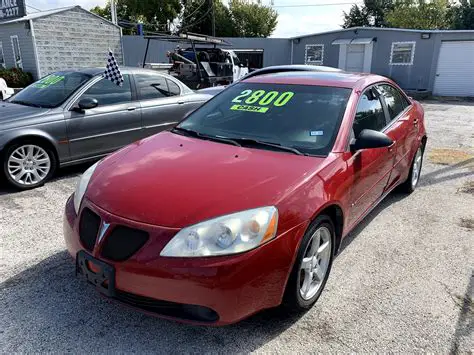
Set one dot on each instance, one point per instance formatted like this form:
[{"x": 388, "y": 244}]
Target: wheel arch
[
  {"x": 30, "y": 136},
  {"x": 335, "y": 212}
]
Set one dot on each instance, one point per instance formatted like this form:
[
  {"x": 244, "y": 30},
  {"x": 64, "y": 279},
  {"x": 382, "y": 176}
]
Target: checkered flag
[{"x": 112, "y": 71}]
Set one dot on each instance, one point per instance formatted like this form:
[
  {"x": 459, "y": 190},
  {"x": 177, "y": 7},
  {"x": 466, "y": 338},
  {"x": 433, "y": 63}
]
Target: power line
[
  {"x": 316, "y": 5},
  {"x": 197, "y": 9}
]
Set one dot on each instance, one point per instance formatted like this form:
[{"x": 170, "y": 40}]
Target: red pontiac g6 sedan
[{"x": 243, "y": 205}]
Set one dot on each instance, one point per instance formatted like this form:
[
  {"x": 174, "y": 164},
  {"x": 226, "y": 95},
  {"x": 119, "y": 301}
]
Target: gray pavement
[{"x": 404, "y": 281}]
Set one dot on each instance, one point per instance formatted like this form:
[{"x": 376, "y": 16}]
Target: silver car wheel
[
  {"x": 315, "y": 263},
  {"x": 29, "y": 164},
  {"x": 416, "y": 168}
]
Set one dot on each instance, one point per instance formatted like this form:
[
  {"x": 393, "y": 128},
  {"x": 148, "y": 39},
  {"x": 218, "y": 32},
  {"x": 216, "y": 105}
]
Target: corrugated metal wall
[
  {"x": 275, "y": 50},
  {"x": 74, "y": 39}
]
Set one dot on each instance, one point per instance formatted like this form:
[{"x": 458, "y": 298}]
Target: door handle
[
  {"x": 415, "y": 121},
  {"x": 133, "y": 108},
  {"x": 180, "y": 102}
]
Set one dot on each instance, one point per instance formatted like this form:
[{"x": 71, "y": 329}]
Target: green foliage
[
  {"x": 356, "y": 17},
  {"x": 419, "y": 14},
  {"x": 102, "y": 11},
  {"x": 371, "y": 14},
  {"x": 240, "y": 19},
  {"x": 415, "y": 14},
  {"x": 252, "y": 19},
  {"x": 156, "y": 15},
  {"x": 461, "y": 16},
  {"x": 16, "y": 78},
  {"x": 197, "y": 17}
]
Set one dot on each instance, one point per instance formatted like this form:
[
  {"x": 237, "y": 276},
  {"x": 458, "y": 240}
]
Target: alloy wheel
[
  {"x": 29, "y": 165},
  {"x": 315, "y": 263},
  {"x": 416, "y": 168}
]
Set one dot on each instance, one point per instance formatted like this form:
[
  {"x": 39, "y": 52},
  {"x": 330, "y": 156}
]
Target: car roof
[
  {"x": 99, "y": 70},
  {"x": 318, "y": 78}
]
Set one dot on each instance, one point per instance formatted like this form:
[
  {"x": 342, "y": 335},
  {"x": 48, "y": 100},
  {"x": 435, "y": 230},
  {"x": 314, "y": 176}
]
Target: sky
[{"x": 292, "y": 21}]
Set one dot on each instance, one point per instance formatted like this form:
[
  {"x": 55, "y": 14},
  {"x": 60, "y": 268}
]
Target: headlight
[
  {"x": 234, "y": 233},
  {"x": 82, "y": 186}
]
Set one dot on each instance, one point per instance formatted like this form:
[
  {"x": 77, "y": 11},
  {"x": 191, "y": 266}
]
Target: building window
[
  {"x": 314, "y": 54},
  {"x": 2, "y": 58},
  {"x": 402, "y": 53},
  {"x": 16, "y": 52}
]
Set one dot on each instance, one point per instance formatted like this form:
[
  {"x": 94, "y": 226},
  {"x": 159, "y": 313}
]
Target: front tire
[
  {"x": 28, "y": 165},
  {"x": 312, "y": 265}
]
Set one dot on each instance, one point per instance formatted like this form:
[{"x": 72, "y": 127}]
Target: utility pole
[
  {"x": 213, "y": 18},
  {"x": 113, "y": 12}
]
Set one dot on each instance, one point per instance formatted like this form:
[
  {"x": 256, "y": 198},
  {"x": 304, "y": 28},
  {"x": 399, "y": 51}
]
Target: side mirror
[
  {"x": 87, "y": 104},
  {"x": 369, "y": 139}
]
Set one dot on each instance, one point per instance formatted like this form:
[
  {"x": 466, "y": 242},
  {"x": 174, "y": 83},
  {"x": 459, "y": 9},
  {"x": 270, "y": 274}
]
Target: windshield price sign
[
  {"x": 11, "y": 9},
  {"x": 260, "y": 100}
]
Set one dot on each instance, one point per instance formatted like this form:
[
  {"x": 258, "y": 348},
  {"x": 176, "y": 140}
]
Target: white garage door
[
  {"x": 355, "y": 58},
  {"x": 455, "y": 71}
]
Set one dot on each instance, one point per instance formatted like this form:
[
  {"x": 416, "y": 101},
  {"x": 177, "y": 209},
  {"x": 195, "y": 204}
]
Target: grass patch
[
  {"x": 467, "y": 223},
  {"x": 468, "y": 187},
  {"x": 449, "y": 156}
]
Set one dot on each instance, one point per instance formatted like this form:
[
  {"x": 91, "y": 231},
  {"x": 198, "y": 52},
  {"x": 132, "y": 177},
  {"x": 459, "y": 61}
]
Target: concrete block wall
[{"x": 74, "y": 39}]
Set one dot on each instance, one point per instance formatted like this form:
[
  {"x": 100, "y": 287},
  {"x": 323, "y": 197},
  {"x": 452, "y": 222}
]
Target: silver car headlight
[
  {"x": 82, "y": 186},
  {"x": 230, "y": 234}
]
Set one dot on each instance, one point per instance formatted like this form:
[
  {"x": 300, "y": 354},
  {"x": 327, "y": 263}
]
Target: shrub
[{"x": 16, "y": 78}]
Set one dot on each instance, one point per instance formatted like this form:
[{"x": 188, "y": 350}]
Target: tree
[
  {"x": 102, "y": 11},
  {"x": 356, "y": 17},
  {"x": 371, "y": 14},
  {"x": 419, "y": 14},
  {"x": 461, "y": 16},
  {"x": 253, "y": 19},
  {"x": 196, "y": 17},
  {"x": 156, "y": 15}
]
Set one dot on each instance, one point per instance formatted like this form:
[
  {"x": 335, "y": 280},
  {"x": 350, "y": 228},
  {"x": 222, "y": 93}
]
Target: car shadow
[
  {"x": 447, "y": 173},
  {"x": 47, "y": 299},
  {"x": 465, "y": 323},
  {"x": 49, "y": 294}
]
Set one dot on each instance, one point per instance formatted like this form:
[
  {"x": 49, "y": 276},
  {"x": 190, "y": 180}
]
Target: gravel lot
[{"x": 404, "y": 281}]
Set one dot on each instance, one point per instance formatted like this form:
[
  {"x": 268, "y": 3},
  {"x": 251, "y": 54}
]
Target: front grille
[
  {"x": 166, "y": 308},
  {"x": 122, "y": 243},
  {"x": 88, "y": 228}
]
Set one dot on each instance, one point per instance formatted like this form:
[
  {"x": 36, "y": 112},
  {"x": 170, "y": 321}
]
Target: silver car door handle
[{"x": 133, "y": 108}]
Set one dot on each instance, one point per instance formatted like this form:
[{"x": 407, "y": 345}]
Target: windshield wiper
[
  {"x": 192, "y": 133},
  {"x": 25, "y": 103},
  {"x": 257, "y": 142}
]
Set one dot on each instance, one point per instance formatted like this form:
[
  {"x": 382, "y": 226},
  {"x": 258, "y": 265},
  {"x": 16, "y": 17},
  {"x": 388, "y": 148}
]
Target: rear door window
[
  {"x": 174, "y": 89},
  {"x": 370, "y": 114},
  {"x": 396, "y": 102},
  {"x": 151, "y": 86}
]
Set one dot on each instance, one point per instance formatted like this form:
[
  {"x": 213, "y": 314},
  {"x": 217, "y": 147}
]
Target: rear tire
[
  {"x": 415, "y": 172},
  {"x": 312, "y": 266},
  {"x": 28, "y": 164}
]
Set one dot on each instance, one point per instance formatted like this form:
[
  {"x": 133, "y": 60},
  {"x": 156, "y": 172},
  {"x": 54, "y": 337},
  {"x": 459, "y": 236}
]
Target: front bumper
[{"x": 234, "y": 287}]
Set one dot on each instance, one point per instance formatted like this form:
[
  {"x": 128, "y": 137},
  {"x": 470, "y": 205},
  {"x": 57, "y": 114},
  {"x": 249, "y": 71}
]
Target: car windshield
[
  {"x": 52, "y": 90},
  {"x": 303, "y": 119}
]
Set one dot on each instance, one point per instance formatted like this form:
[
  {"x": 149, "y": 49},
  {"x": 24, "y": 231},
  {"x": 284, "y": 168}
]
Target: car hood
[
  {"x": 175, "y": 181},
  {"x": 13, "y": 112}
]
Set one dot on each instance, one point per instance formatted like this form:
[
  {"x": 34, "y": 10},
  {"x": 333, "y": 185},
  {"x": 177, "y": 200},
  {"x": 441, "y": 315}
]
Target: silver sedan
[{"x": 72, "y": 116}]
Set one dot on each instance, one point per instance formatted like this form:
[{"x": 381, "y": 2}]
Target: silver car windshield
[{"x": 52, "y": 90}]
